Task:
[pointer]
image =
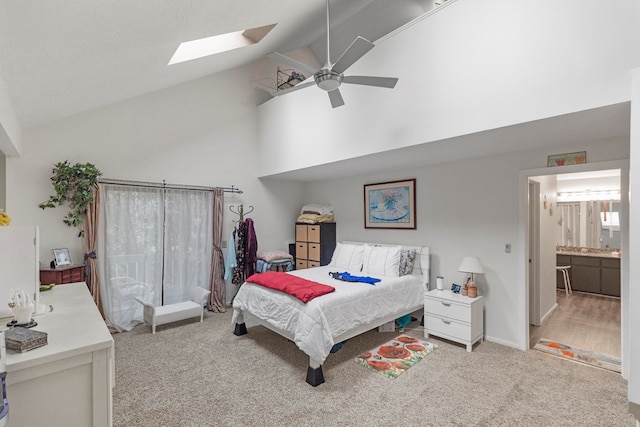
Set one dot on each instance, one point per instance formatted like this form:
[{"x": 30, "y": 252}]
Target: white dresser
[
  {"x": 69, "y": 381},
  {"x": 454, "y": 317}
]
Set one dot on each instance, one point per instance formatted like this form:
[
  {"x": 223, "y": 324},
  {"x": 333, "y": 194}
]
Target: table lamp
[{"x": 471, "y": 265}]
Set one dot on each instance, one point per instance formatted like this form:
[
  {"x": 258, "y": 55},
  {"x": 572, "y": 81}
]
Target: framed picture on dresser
[
  {"x": 390, "y": 205},
  {"x": 61, "y": 256}
]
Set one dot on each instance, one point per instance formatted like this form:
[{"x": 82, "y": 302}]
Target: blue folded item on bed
[{"x": 346, "y": 277}]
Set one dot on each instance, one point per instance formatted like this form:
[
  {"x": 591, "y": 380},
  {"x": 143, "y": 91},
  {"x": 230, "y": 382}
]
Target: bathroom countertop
[{"x": 590, "y": 254}]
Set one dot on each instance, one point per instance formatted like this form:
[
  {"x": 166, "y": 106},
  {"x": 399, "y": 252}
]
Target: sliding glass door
[{"x": 157, "y": 244}]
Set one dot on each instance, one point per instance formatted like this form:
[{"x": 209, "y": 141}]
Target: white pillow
[
  {"x": 381, "y": 260},
  {"x": 347, "y": 257}
]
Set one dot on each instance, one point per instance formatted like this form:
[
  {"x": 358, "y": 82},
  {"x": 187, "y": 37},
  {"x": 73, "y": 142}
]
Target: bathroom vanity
[{"x": 593, "y": 272}]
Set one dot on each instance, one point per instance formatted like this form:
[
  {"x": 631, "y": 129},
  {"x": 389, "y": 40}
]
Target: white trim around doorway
[{"x": 523, "y": 191}]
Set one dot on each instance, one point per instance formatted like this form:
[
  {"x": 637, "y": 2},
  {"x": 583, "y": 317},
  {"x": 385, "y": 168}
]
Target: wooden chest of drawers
[
  {"x": 62, "y": 274},
  {"x": 454, "y": 317}
]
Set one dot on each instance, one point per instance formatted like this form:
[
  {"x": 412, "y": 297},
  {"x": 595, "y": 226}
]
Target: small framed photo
[
  {"x": 455, "y": 288},
  {"x": 61, "y": 256}
]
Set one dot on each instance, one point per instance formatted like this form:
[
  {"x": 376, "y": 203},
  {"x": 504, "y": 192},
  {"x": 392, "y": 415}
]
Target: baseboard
[
  {"x": 549, "y": 313},
  {"x": 505, "y": 343}
]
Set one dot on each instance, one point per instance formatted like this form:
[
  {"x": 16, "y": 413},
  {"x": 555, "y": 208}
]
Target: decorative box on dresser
[
  {"x": 315, "y": 244},
  {"x": 61, "y": 275},
  {"x": 454, "y": 317}
]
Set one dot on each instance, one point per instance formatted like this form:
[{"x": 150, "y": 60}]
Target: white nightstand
[{"x": 454, "y": 317}]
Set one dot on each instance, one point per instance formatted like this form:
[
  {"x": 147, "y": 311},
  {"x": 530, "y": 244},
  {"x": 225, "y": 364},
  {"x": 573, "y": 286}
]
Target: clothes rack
[
  {"x": 245, "y": 247},
  {"x": 240, "y": 212}
]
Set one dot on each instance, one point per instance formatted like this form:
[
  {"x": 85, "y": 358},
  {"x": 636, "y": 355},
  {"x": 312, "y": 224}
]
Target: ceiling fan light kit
[
  {"x": 328, "y": 80},
  {"x": 331, "y": 76}
]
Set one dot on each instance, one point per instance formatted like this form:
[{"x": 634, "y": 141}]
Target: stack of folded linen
[
  {"x": 278, "y": 260},
  {"x": 314, "y": 213}
]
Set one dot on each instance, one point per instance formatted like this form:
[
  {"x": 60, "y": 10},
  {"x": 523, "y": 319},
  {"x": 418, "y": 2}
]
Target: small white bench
[{"x": 160, "y": 315}]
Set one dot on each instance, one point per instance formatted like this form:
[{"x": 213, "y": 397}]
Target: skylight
[{"x": 199, "y": 48}]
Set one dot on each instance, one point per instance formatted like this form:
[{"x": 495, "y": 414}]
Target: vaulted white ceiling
[{"x": 60, "y": 58}]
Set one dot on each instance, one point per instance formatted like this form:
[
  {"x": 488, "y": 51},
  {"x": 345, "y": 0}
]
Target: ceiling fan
[{"x": 331, "y": 76}]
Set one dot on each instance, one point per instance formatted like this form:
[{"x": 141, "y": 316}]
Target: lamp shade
[{"x": 471, "y": 265}]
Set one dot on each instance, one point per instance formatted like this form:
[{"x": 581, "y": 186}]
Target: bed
[{"x": 353, "y": 308}]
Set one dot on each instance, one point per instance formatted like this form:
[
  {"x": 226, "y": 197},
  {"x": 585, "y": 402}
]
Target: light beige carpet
[{"x": 200, "y": 374}]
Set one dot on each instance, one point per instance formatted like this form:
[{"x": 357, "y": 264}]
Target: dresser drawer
[
  {"x": 314, "y": 251},
  {"x": 312, "y": 264},
  {"x": 73, "y": 275},
  {"x": 301, "y": 264},
  {"x": 301, "y": 232},
  {"x": 447, "y": 328},
  {"x": 301, "y": 250},
  {"x": 449, "y": 309},
  {"x": 313, "y": 233}
]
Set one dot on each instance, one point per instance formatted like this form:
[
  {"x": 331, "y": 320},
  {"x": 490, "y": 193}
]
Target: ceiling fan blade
[
  {"x": 301, "y": 66},
  {"x": 294, "y": 88},
  {"x": 388, "y": 82},
  {"x": 355, "y": 51},
  {"x": 336, "y": 98}
]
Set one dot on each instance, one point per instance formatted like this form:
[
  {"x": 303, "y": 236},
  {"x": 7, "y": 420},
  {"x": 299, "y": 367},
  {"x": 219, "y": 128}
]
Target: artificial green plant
[{"x": 73, "y": 184}]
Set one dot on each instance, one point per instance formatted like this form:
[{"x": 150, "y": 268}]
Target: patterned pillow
[{"x": 407, "y": 258}]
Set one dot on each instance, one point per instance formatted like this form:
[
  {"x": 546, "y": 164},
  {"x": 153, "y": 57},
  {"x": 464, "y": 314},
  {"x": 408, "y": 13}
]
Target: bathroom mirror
[{"x": 593, "y": 224}]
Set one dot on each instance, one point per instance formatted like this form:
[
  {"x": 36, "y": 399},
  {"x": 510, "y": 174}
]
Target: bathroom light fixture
[{"x": 588, "y": 195}]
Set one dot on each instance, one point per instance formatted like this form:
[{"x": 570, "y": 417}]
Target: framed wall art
[
  {"x": 390, "y": 205},
  {"x": 566, "y": 159}
]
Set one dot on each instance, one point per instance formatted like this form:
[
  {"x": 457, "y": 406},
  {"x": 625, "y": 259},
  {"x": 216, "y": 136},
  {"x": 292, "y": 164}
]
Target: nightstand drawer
[
  {"x": 447, "y": 308},
  {"x": 445, "y": 327}
]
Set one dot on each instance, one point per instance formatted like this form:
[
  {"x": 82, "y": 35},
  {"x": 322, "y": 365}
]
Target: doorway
[{"x": 581, "y": 319}]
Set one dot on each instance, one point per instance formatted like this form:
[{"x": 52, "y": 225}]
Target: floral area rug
[
  {"x": 578, "y": 355},
  {"x": 396, "y": 356}
]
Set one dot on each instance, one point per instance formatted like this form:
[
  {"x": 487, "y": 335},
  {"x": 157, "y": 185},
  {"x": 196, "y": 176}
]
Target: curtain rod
[{"x": 163, "y": 184}]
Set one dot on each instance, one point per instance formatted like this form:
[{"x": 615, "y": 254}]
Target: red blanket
[{"x": 303, "y": 289}]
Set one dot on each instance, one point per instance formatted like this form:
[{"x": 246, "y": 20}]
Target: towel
[{"x": 346, "y": 277}]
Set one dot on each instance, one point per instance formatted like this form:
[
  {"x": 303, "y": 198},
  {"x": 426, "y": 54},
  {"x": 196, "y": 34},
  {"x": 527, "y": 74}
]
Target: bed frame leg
[
  {"x": 315, "y": 376},
  {"x": 240, "y": 329}
]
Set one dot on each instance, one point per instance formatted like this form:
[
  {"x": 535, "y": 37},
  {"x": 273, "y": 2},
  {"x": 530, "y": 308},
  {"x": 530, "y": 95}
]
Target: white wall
[
  {"x": 463, "y": 208},
  {"x": 470, "y": 67},
  {"x": 547, "y": 257},
  {"x": 10, "y": 130},
  {"x": 199, "y": 133}
]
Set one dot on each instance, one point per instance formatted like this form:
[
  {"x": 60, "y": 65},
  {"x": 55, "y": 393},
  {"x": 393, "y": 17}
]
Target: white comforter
[{"x": 315, "y": 325}]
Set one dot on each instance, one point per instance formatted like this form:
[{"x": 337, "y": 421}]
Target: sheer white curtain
[
  {"x": 188, "y": 242},
  {"x": 156, "y": 244},
  {"x": 593, "y": 225},
  {"x": 132, "y": 252},
  {"x": 570, "y": 224}
]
